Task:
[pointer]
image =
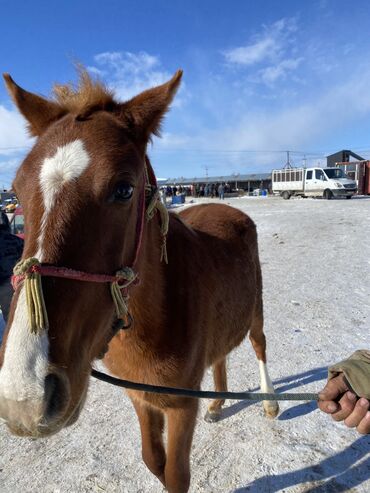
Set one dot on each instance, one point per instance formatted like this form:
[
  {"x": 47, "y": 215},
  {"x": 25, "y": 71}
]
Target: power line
[
  {"x": 267, "y": 151},
  {"x": 272, "y": 151},
  {"x": 236, "y": 151},
  {"x": 15, "y": 148}
]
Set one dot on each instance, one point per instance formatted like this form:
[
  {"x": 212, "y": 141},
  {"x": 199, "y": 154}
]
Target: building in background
[
  {"x": 354, "y": 166},
  {"x": 343, "y": 156}
]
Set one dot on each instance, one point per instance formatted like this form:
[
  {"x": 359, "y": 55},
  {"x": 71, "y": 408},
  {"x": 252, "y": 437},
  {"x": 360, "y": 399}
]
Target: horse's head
[{"x": 81, "y": 187}]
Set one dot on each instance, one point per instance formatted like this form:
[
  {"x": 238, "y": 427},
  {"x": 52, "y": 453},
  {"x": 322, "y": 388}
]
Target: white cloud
[
  {"x": 14, "y": 143},
  {"x": 131, "y": 73},
  {"x": 13, "y": 134},
  {"x": 171, "y": 141},
  {"x": 267, "y": 46},
  {"x": 128, "y": 63},
  {"x": 271, "y": 74},
  {"x": 271, "y": 55},
  {"x": 248, "y": 55},
  {"x": 9, "y": 166},
  {"x": 8, "y": 169},
  {"x": 300, "y": 125}
]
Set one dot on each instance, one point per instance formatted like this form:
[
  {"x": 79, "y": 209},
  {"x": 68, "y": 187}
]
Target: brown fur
[
  {"x": 89, "y": 95},
  {"x": 187, "y": 315}
]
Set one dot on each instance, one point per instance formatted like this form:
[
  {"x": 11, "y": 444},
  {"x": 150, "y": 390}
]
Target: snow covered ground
[{"x": 315, "y": 258}]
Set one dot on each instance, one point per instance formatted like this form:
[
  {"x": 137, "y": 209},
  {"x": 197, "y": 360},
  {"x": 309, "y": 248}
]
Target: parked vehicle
[
  {"x": 360, "y": 172},
  {"x": 312, "y": 182},
  {"x": 10, "y": 205},
  {"x": 17, "y": 223}
]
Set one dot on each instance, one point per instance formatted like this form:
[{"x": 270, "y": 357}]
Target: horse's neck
[{"x": 146, "y": 299}]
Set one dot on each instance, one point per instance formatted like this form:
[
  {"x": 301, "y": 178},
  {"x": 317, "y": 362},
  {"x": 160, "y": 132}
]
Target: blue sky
[{"x": 259, "y": 77}]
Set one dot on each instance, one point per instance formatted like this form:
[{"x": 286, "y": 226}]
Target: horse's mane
[{"x": 85, "y": 97}]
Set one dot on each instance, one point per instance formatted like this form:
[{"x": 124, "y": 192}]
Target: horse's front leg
[
  {"x": 181, "y": 423},
  {"x": 151, "y": 425}
]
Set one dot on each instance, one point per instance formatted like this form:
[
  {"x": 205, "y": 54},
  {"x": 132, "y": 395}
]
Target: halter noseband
[{"x": 29, "y": 271}]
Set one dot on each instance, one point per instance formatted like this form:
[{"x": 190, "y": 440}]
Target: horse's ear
[
  {"x": 143, "y": 114},
  {"x": 39, "y": 112}
]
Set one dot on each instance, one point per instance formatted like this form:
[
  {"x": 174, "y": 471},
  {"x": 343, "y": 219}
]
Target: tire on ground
[{"x": 328, "y": 194}]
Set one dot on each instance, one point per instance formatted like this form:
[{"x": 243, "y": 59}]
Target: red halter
[{"x": 76, "y": 275}]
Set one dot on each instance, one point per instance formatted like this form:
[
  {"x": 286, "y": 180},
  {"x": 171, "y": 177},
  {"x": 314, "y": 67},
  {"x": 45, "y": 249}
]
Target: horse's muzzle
[{"x": 41, "y": 417}]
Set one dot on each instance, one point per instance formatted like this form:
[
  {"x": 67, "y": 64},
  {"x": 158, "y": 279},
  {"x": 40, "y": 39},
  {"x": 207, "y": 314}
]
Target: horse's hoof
[
  {"x": 212, "y": 417},
  {"x": 271, "y": 410}
]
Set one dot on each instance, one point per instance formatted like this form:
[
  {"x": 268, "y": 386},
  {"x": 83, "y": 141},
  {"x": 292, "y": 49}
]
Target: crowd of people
[{"x": 211, "y": 190}]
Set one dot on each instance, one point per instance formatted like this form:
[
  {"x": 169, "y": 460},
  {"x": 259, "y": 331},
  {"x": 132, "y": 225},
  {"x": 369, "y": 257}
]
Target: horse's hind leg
[
  {"x": 220, "y": 378},
  {"x": 258, "y": 340}
]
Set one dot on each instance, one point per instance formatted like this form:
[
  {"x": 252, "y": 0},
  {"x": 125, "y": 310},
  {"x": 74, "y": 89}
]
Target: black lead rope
[{"x": 204, "y": 394}]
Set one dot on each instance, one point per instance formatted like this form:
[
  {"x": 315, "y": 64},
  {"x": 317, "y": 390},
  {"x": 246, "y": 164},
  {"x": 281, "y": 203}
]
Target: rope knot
[
  {"x": 120, "y": 295},
  {"x": 125, "y": 274},
  {"x": 27, "y": 266},
  {"x": 29, "y": 270}
]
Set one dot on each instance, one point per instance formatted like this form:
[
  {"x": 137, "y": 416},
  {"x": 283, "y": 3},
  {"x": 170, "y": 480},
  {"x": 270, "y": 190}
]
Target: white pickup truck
[{"x": 312, "y": 182}]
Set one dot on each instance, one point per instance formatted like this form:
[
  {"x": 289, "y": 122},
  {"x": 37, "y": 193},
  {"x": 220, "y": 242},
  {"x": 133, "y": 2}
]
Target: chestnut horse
[{"x": 82, "y": 191}]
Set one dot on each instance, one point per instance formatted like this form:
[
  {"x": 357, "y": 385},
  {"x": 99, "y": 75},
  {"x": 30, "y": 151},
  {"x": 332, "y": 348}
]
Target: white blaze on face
[
  {"x": 67, "y": 164},
  {"x": 25, "y": 363},
  {"x": 26, "y": 358}
]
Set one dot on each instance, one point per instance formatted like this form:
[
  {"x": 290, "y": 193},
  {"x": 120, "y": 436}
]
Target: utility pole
[
  {"x": 206, "y": 168},
  {"x": 236, "y": 180},
  {"x": 288, "y": 165}
]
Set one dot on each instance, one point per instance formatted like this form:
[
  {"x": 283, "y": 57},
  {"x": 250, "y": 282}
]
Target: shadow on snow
[
  {"x": 282, "y": 385},
  {"x": 335, "y": 474}
]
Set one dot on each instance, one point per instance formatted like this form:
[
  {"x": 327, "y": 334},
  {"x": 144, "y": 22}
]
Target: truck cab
[{"x": 328, "y": 183}]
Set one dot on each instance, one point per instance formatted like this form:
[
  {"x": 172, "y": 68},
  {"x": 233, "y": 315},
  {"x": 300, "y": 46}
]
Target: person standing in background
[
  {"x": 11, "y": 248},
  {"x": 221, "y": 192}
]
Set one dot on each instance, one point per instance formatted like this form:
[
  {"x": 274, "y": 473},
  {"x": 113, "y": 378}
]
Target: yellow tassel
[
  {"x": 37, "y": 313},
  {"x": 120, "y": 301},
  {"x": 157, "y": 204}
]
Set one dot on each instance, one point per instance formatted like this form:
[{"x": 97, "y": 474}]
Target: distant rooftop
[
  {"x": 343, "y": 156},
  {"x": 219, "y": 179}
]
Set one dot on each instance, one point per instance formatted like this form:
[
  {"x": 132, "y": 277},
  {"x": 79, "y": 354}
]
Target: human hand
[{"x": 352, "y": 410}]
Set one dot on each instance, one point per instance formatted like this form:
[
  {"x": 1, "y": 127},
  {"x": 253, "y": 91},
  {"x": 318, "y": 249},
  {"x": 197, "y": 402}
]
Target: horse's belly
[{"x": 129, "y": 364}]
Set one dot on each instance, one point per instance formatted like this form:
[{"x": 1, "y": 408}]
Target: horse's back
[
  {"x": 219, "y": 220},
  {"x": 226, "y": 238}
]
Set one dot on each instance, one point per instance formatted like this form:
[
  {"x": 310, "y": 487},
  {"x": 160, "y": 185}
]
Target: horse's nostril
[{"x": 56, "y": 396}]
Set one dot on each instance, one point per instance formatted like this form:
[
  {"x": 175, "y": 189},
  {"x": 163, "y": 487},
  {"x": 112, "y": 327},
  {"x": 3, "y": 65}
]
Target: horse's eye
[{"x": 122, "y": 193}]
